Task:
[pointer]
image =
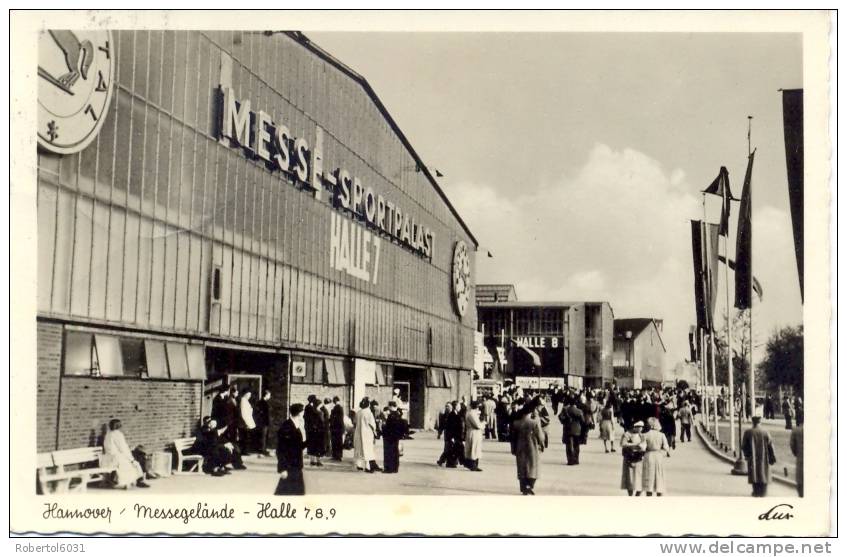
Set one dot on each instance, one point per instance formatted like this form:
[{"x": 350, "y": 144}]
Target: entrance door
[{"x": 415, "y": 378}]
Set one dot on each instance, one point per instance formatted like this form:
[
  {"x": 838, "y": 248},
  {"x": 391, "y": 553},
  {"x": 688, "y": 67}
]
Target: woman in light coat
[
  {"x": 473, "y": 437},
  {"x": 115, "y": 448},
  {"x": 364, "y": 456},
  {"x": 527, "y": 440},
  {"x": 656, "y": 448},
  {"x": 246, "y": 423}
]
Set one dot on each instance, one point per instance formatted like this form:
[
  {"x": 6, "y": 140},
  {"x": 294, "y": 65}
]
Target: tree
[
  {"x": 783, "y": 362},
  {"x": 740, "y": 352}
]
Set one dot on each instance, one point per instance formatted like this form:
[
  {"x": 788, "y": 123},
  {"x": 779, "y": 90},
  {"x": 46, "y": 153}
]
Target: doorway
[{"x": 415, "y": 378}]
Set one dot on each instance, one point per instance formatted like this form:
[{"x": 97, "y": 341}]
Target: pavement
[
  {"x": 785, "y": 461},
  {"x": 690, "y": 471}
]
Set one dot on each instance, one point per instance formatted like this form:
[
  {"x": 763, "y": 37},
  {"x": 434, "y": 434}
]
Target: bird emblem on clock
[
  {"x": 461, "y": 277},
  {"x": 75, "y": 74}
]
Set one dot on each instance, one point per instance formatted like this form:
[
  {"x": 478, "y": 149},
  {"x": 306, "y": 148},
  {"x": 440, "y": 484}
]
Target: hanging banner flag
[
  {"x": 744, "y": 242},
  {"x": 692, "y": 343},
  {"x": 704, "y": 245},
  {"x": 720, "y": 186},
  {"x": 757, "y": 287},
  {"x": 792, "y": 121}
]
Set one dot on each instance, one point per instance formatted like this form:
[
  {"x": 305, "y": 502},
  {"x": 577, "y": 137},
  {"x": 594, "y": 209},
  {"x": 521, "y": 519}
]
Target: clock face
[
  {"x": 461, "y": 277},
  {"x": 75, "y": 74}
]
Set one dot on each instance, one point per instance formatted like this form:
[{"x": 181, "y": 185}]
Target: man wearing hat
[{"x": 757, "y": 447}]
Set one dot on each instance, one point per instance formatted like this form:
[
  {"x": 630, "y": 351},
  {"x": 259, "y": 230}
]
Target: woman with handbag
[
  {"x": 632, "y": 448},
  {"x": 655, "y": 449}
]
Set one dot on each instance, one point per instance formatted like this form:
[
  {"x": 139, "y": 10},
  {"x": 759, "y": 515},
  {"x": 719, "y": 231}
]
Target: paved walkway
[{"x": 691, "y": 471}]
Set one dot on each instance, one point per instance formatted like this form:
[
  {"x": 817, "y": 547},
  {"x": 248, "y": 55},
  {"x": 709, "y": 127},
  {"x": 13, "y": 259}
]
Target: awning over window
[
  {"x": 448, "y": 378},
  {"x": 196, "y": 361}
]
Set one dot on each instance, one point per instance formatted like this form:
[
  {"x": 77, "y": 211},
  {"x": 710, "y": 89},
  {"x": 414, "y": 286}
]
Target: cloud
[{"x": 616, "y": 229}]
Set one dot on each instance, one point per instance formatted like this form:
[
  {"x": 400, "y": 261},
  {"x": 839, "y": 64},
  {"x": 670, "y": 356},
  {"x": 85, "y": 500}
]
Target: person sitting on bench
[{"x": 128, "y": 470}]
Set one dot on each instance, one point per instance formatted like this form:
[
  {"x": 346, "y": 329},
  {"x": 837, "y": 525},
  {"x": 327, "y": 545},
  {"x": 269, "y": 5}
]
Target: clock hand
[{"x": 46, "y": 75}]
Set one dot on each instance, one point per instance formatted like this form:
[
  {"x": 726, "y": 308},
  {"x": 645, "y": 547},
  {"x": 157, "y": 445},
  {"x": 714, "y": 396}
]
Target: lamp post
[{"x": 630, "y": 350}]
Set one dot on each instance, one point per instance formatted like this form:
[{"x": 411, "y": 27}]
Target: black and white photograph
[{"x": 268, "y": 261}]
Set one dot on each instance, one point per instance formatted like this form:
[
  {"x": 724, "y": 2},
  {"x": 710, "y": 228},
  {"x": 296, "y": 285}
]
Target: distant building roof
[
  {"x": 496, "y": 293},
  {"x": 637, "y": 325},
  {"x": 537, "y": 304}
]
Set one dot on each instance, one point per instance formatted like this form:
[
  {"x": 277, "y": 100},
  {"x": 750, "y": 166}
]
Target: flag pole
[
  {"x": 730, "y": 365},
  {"x": 750, "y": 285}
]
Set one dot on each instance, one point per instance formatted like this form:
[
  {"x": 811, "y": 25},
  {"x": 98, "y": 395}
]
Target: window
[
  {"x": 334, "y": 372},
  {"x": 436, "y": 378},
  {"x": 216, "y": 284},
  {"x": 108, "y": 355},
  {"x": 177, "y": 362},
  {"x": 448, "y": 379},
  {"x": 79, "y": 352},
  {"x": 134, "y": 359},
  {"x": 196, "y": 361},
  {"x": 380, "y": 375},
  {"x": 157, "y": 362}
]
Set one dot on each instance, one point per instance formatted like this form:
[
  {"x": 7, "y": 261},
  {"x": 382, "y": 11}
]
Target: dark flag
[
  {"x": 792, "y": 121},
  {"x": 704, "y": 241},
  {"x": 692, "y": 343},
  {"x": 699, "y": 278},
  {"x": 720, "y": 186},
  {"x": 744, "y": 242},
  {"x": 757, "y": 287}
]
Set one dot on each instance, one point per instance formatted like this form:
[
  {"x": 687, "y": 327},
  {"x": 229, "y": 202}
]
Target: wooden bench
[
  {"x": 194, "y": 461},
  {"x": 54, "y": 476}
]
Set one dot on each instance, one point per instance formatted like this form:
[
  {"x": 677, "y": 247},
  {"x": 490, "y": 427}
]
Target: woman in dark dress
[
  {"x": 315, "y": 435},
  {"x": 393, "y": 431},
  {"x": 289, "y": 454}
]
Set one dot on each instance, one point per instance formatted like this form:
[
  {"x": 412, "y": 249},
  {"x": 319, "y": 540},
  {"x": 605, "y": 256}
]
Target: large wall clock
[
  {"x": 75, "y": 74},
  {"x": 461, "y": 277}
]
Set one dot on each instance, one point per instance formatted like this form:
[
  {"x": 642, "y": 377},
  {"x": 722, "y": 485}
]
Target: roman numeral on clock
[
  {"x": 101, "y": 82},
  {"x": 90, "y": 110}
]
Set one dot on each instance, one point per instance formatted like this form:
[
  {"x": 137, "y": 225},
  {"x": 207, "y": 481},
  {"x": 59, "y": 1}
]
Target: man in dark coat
[
  {"x": 441, "y": 427},
  {"x": 573, "y": 420},
  {"x": 503, "y": 420},
  {"x": 757, "y": 447},
  {"x": 289, "y": 455},
  {"x": 455, "y": 434},
  {"x": 336, "y": 429},
  {"x": 314, "y": 425},
  {"x": 393, "y": 430},
  {"x": 262, "y": 417}
]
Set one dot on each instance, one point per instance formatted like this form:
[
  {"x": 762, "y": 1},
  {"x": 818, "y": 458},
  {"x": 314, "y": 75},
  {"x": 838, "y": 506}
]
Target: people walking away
[
  {"x": 473, "y": 437},
  {"x": 668, "y": 425},
  {"x": 686, "y": 418},
  {"x": 572, "y": 420},
  {"x": 798, "y": 410},
  {"x": 441, "y": 428},
  {"x": 607, "y": 426},
  {"x": 289, "y": 453},
  {"x": 489, "y": 406},
  {"x": 768, "y": 407},
  {"x": 246, "y": 423},
  {"x": 787, "y": 412},
  {"x": 503, "y": 420},
  {"x": 632, "y": 450},
  {"x": 544, "y": 418},
  {"x": 262, "y": 417},
  {"x": 337, "y": 429},
  {"x": 127, "y": 470},
  {"x": 757, "y": 447},
  {"x": 393, "y": 431},
  {"x": 314, "y": 424},
  {"x": 655, "y": 449},
  {"x": 796, "y": 444},
  {"x": 363, "y": 439},
  {"x": 527, "y": 442}
]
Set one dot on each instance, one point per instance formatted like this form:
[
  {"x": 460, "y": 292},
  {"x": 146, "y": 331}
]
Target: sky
[{"x": 578, "y": 159}]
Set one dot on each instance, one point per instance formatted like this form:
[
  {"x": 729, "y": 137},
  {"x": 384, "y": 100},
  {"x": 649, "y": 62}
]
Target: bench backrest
[
  {"x": 183, "y": 444},
  {"x": 44, "y": 460},
  {"x": 77, "y": 456}
]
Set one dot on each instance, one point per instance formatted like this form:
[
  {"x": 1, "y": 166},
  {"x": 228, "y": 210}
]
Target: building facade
[
  {"x": 543, "y": 344},
  {"x": 639, "y": 357},
  {"x": 247, "y": 212}
]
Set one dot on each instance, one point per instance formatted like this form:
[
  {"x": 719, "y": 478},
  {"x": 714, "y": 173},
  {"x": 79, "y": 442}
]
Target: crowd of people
[{"x": 323, "y": 428}]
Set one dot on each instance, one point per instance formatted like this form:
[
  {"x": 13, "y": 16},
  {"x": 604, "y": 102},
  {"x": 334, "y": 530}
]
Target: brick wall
[
  {"x": 154, "y": 413},
  {"x": 49, "y": 342}
]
